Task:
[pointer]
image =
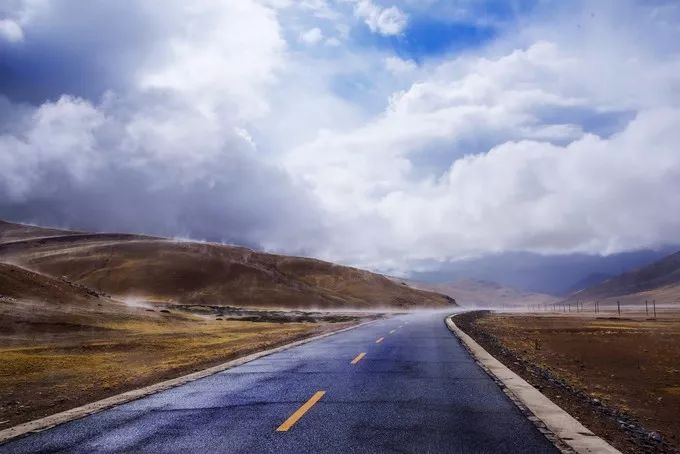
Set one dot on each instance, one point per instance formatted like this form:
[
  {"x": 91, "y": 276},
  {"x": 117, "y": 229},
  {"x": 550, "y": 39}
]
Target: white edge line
[
  {"x": 48, "y": 422},
  {"x": 564, "y": 426}
]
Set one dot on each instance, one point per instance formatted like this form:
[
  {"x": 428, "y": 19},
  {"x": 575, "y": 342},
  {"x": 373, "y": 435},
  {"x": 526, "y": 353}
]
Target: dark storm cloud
[
  {"x": 107, "y": 124},
  {"x": 78, "y": 48},
  {"x": 72, "y": 165},
  {"x": 243, "y": 203}
]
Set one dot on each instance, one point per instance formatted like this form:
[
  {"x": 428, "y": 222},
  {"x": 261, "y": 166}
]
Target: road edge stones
[
  {"x": 38, "y": 425},
  {"x": 562, "y": 429}
]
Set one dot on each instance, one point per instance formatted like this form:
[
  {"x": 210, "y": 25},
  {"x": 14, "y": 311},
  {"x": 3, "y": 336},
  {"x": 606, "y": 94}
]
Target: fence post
[
  {"x": 646, "y": 308},
  {"x": 654, "y": 305},
  {"x": 618, "y": 307}
]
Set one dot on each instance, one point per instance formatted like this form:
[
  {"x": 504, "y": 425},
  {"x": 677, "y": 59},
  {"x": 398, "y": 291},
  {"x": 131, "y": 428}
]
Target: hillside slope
[
  {"x": 19, "y": 283},
  {"x": 133, "y": 266},
  {"x": 15, "y": 232},
  {"x": 32, "y": 304},
  {"x": 662, "y": 277}
]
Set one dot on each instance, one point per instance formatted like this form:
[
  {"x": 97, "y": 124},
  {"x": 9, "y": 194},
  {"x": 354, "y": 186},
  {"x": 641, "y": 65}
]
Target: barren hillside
[
  {"x": 659, "y": 280},
  {"x": 133, "y": 266}
]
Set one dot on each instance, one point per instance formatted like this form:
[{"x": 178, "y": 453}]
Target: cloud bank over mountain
[{"x": 344, "y": 129}]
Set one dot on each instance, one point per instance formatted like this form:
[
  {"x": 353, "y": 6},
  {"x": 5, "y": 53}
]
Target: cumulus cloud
[
  {"x": 97, "y": 167},
  {"x": 500, "y": 154},
  {"x": 11, "y": 31},
  {"x": 397, "y": 65},
  {"x": 197, "y": 119},
  {"x": 171, "y": 151},
  {"x": 311, "y": 36},
  {"x": 386, "y": 21}
]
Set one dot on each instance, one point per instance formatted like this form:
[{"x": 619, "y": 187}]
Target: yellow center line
[
  {"x": 299, "y": 413},
  {"x": 358, "y": 358},
  {"x": 380, "y": 340},
  {"x": 392, "y": 332}
]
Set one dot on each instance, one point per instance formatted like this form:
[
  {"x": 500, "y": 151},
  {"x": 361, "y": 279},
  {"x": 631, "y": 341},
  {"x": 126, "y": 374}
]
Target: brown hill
[
  {"x": 32, "y": 304},
  {"x": 15, "y": 232},
  {"x": 203, "y": 273},
  {"x": 19, "y": 283},
  {"x": 660, "y": 279},
  {"x": 475, "y": 292}
]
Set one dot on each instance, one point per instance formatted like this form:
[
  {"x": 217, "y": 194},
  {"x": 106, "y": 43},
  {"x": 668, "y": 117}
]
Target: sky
[{"x": 400, "y": 136}]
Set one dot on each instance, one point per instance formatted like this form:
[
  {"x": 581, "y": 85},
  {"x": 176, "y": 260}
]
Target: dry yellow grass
[{"x": 42, "y": 374}]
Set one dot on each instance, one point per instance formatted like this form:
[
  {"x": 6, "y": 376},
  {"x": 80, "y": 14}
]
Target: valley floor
[{"x": 619, "y": 376}]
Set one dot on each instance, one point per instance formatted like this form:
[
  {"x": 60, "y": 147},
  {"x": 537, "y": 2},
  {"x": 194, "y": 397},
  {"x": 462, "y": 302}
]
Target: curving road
[{"x": 416, "y": 390}]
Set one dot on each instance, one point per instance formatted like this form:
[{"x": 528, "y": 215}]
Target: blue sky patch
[{"x": 425, "y": 37}]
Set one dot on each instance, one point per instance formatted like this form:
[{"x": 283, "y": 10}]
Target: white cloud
[
  {"x": 333, "y": 42},
  {"x": 311, "y": 36},
  {"x": 174, "y": 151},
  {"x": 396, "y": 65},
  {"x": 490, "y": 155},
  {"x": 222, "y": 56},
  {"x": 11, "y": 31},
  {"x": 386, "y": 21},
  {"x": 551, "y": 138}
]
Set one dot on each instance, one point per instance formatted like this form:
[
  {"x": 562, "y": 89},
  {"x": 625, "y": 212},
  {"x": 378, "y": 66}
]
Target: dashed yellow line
[
  {"x": 299, "y": 413},
  {"x": 358, "y": 358},
  {"x": 380, "y": 340}
]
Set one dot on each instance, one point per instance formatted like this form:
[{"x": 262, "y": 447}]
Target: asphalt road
[{"x": 417, "y": 390}]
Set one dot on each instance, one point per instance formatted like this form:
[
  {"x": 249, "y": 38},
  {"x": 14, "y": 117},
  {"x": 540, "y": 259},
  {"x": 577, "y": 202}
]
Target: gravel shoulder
[{"x": 599, "y": 370}]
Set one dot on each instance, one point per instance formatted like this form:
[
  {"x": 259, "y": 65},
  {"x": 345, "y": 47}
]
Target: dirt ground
[
  {"x": 619, "y": 376},
  {"x": 51, "y": 366}
]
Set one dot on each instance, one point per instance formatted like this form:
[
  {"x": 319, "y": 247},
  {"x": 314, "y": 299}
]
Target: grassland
[
  {"x": 56, "y": 366},
  {"x": 619, "y": 376}
]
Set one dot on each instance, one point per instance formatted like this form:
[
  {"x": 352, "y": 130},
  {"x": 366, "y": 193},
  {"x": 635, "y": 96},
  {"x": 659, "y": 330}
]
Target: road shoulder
[{"x": 566, "y": 429}]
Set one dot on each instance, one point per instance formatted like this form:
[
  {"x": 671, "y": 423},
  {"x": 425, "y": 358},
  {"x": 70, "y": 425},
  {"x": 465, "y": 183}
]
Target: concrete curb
[
  {"x": 47, "y": 422},
  {"x": 560, "y": 423}
]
